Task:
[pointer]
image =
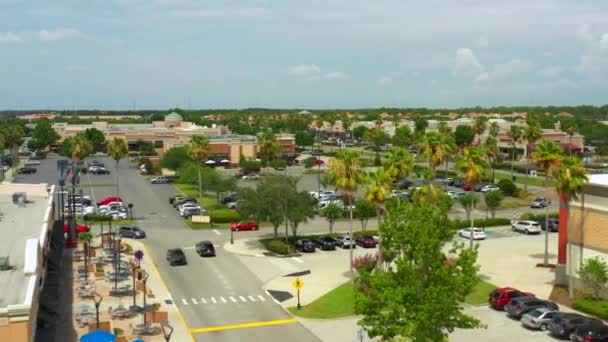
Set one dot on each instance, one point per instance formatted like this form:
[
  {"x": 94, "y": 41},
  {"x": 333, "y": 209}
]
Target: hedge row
[
  {"x": 537, "y": 217},
  {"x": 489, "y": 222},
  {"x": 97, "y": 218},
  {"x": 224, "y": 215},
  {"x": 594, "y": 307}
]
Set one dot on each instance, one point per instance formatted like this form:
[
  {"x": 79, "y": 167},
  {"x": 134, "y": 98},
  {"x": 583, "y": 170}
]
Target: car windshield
[{"x": 535, "y": 313}]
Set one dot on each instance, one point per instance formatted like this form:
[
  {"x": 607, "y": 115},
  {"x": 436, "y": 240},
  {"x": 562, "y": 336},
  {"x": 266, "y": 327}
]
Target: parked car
[
  {"x": 159, "y": 180},
  {"x": 458, "y": 183},
  {"x": 489, "y": 188},
  {"x": 188, "y": 205},
  {"x": 32, "y": 162},
  {"x": 131, "y": 232},
  {"x": 173, "y": 199},
  {"x": 519, "y": 306},
  {"x": 565, "y": 324},
  {"x": 448, "y": 181},
  {"x": 80, "y": 228},
  {"x": 366, "y": 241},
  {"x": 205, "y": 248},
  {"x": 252, "y": 225},
  {"x": 250, "y": 176},
  {"x": 553, "y": 224},
  {"x": 325, "y": 243},
  {"x": 467, "y": 187},
  {"x": 321, "y": 193},
  {"x": 478, "y": 188},
  {"x": 119, "y": 214},
  {"x": 232, "y": 205},
  {"x": 306, "y": 246},
  {"x": 478, "y": 233},
  {"x": 539, "y": 318},
  {"x": 184, "y": 200},
  {"x": 109, "y": 199},
  {"x": 175, "y": 256},
  {"x": 345, "y": 241},
  {"x": 98, "y": 170},
  {"x": 189, "y": 212},
  {"x": 526, "y": 227},
  {"x": 95, "y": 163},
  {"x": 593, "y": 331},
  {"x": 404, "y": 183},
  {"x": 540, "y": 202},
  {"x": 27, "y": 170},
  {"x": 501, "y": 296}
]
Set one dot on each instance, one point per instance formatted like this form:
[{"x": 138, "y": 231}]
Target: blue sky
[{"x": 120, "y": 54}]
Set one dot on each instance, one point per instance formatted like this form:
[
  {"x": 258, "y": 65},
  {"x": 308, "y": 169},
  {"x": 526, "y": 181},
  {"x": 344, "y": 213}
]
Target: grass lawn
[
  {"x": 97, "y": 185},
  {"x": 480, "y": 293},
  {"x": 200, "y": 225},
  {"x": 339, "y": 302},
  {"x": 208, "y": 202},
  {"x": 532, "y": 181},
  {"x": 114, "y": 222}
]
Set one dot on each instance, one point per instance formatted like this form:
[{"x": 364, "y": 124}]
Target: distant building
[
  {"x": 38, "y": 116},
  {"x": 24, "y": 259}
]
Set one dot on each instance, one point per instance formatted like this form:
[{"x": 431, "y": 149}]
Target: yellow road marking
[
  {"x": 162, "y": 281},
  {"x": 243, "y": 325}
]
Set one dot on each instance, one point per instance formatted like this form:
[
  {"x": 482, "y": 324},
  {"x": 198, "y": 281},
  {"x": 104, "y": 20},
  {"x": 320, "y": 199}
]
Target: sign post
[{"x": 298, "y": 284}]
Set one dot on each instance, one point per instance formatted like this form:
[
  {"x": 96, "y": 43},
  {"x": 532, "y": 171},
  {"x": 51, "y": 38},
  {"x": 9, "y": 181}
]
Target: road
[{"x": 220, "y": 299}]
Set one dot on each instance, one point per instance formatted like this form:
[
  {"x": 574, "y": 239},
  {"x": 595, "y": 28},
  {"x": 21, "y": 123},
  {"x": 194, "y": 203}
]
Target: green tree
[
  {"x": 300, "y": 207},
  {"x": 594, "y": 274},
  {"x": 345, "y": 175},
  {"x": 399, "y": 163},
  {"x": 515, "y": 133},
  {"x": 464, "y": 135},
  {"x": 44, "y": 134},
  {"x": 265, "y": 202},
  {"x": 332, "y": 212},
  {"x": 418, "y": 294},
  {"x": 198, "y": 150},
  {"x": 493, "y": 199},
  {"x": 377, "y": 137},
  {"x": 378, "y": 190},
  {"x": 364, "y": 210},
  {"x": 117, "y": 150},
  {"x": 494, "y": 129},
  {"x": 468, "y": 202},
  {"x": 436, "y": 148},
  {"x": 443, "y": 128},
  {"x": 532, "y": 134},
  {"x": 13, "y": 137},
  {"x": 420, "y": 125},
  {"x": 571, "y": 130},
  {"x": 268, "y": 146},
  {"x": 304, "y": 138},
  {"x": 175, "y": 158},
  {"x": 95, "y": 136},
  {"x": 403, "y": 137},
  {"x": 359, "y": 132},
  {"x": 82, "y": 147},
  {"x": 66, "y": 147},
  {"x": 479, "y": 127},
  {"x": 492, "y": 152}
]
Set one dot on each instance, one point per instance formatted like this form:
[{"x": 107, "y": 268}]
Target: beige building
[{"x": 24, "y": 250}]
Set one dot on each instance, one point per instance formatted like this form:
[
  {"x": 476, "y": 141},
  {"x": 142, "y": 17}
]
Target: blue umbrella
[{"x": 98, "y": 336}]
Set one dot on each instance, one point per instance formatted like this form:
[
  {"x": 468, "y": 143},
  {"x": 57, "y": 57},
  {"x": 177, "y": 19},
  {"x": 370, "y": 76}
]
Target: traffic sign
[{"x": 298, "y": 283}]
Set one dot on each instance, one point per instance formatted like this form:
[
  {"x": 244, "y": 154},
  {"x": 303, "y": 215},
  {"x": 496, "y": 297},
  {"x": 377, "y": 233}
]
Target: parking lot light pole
[
  {"x": 135, "y": 269},
  {"x": 144, "y": 281},
  {"x": 167, "y": 330},
  {"x": 97, "y": 298},
  {"x": 231, "y": 236}
]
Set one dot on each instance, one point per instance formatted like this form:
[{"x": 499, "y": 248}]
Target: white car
[
  {"x": 32, "y": 163},
  {"x": 187, "y": 206},
  {"x": 452, "y": 194},
  {"x": 232, "y": 205},
  {"x": 321, "y": 193},
  {"x": 111, "y": 205},
  {"x": 489, "y": 188},
  {"x": 324, "y": 204},
  {"x": 526, "y": 227},
  {"x": 250, "y": 176},
  {"x": 119, "y": 215},
  {"x": 478, "y": 233},
  {"x": 88, "y": 210}
]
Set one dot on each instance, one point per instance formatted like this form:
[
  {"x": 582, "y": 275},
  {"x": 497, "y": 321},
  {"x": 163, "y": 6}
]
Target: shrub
[
  {"x": 309, "y": 162},
  {"x": 358, "y": 233},
  {"x": 490, "y": 222},
  {"x": 97, "y": 218},
  {"x": 594, "y": 274},
  {"x": 365, "y": 262},
  {"x": 277, "y": 246},
  {"x": 224, "y": 215},
  {"x": 594, "y": 307},
  {"x": 537, "y": 217},
  {"x": 508, "y": 188}
]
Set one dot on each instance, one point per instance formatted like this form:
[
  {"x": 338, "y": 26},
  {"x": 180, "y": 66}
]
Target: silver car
[{"x": 539, "y": 318}]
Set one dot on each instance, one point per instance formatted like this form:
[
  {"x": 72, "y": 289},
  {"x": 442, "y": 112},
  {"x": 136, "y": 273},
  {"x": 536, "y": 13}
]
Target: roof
[
  {"x": 599, "y": 179},
  {"x": 173, "y": 116},
  {"x": 21, "y": 226}
]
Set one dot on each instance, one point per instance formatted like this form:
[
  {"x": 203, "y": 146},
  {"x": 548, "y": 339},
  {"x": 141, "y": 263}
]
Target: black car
[
  {"x": 95, "y": 163},
  {"x": 553, "y": 224},
  {"x": 477, "y": 188},
  {"x": 227, "y": 199},
  {"x": 205, "y": 249},
  {"x": 27, "y": 170},
  {"x": 458, "y": 183},
  {"x": 404, "y": 183},
  {"x": 305, "y": 246},
  {"x": 99, "y": 171},
  {"x": 594, "y": 331},
  {"x": 176, "y": 256},
  {"x": 131, "y": 232},
  {"x": 565, "y": 324},
  {"x": 519, "y": 306},
  {"x": 326, "y": 243}
]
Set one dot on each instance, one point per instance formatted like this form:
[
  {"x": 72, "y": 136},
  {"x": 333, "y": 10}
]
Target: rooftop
[
  {"x": 21, "y": 226},
  {"x": 173, "y": 116}
]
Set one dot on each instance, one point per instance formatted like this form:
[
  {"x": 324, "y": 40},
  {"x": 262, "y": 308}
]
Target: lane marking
[
  {"x": 203, "y": 300},
  {"x": 243, "y": 325},
  {"x": 233, "y": 299},
  {"x": 242, "y": 298},
  {"x": 213, "y": 300},
  {"x": 251, "y": 298},
  {"x": 192, "y": 247},
  {"x": 223, "y": 299},
  {"x": 194, "y": 301},
  {"x": 217, "y": 232},
  {"x": 184, "y": 301},
  {"x": 299, "y": 260},
  {"x": 262, "y": 298}
]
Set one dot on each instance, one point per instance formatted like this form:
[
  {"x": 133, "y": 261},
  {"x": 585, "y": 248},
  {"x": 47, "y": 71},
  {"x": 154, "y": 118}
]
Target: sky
[{"x": 153, "y": 54}]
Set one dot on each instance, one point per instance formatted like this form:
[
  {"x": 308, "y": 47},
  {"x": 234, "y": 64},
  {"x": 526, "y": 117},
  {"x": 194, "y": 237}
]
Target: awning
[{"x": 98, "y": 336}]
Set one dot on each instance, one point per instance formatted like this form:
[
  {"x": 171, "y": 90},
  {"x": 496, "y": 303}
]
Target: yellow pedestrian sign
[{"x": 298, "y": 284}]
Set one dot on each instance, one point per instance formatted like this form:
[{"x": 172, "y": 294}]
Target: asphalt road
[{"x": 210, "y": 292}]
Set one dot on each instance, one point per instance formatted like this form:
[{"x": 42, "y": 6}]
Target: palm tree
[
  {"x": 378, "y": 190},
  {"x": 379, "y": 122},
  {"x": 491, "y": 147},
  {"x": 532, "y": 133},
  {"x": 494, "y": 129},
  {"x": 198, "y": 150},
  {"x": 474, "y": 166},
  {"x": 268, "y": 146},
  {"x": 399, "y": 163},
  {"x": 13, "y": 137},
  {"x": 346, "y": 123},
  {"x": 443, "y": 128},
  {"x": 571, "y": 130},
  {"x": 570, "y": 176},
  {"x": 83, "y": 147},
  {"x": 2, "y": 147},
  {"x": 345, "y": 175},
  {"x": 546, "y": 155},
  {"x": 396, "y": 120},
  {"x": 117, "y": 149},
  {"x": 515, "y": 133},
  {"x": 437, "y": 149},
  {"x": 479, "y": 127}
]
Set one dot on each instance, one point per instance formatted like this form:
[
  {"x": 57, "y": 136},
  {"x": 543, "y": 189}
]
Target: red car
[
  {"x": 244, "y": 226},
  {"x": 467, "y": 187},
  {"x": 109, "y": 200},
  {"x": 501, "y": 297},
  {"x": 80, "y": 228}
]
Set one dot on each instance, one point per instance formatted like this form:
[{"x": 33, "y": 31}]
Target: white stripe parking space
[{"x": 227, "y": 300}]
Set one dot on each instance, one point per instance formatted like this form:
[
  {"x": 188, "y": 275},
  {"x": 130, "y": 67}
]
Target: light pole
[
  {"x": 130, "y": 205},
  {"x": 144, "y": 281},
  {"x": 134, "y": 269},
  {"x": 97, "y": 298},
  {"x": 167, "y": 330}
]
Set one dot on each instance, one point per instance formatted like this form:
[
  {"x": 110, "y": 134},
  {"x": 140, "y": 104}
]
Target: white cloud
[
  {"x": 467, "y": 65},
  {"x": 10, "y": 37},
  {"x": 391, "y": 78},
  {"x": 59, "y": 34},
  {"x": 337, "y": 75},
  {"x": 306, "y": 71},
  {"x": 594, "y": 60},
  {"x": 504, "y": 71},
  {"x": 550, "y": 72},
  {"x": 482, "y": 41},
  {"x": 385, "y": 81}
]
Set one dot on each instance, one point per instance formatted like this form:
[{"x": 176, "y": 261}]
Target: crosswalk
[{"x": 219, "y": 300}]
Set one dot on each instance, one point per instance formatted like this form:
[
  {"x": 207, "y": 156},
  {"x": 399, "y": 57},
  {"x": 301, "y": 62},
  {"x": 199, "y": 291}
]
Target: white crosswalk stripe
[
  {"x": 243, "y": 298},
  {"x": 194, "y": 301},
  {"x": 184, "y": 301},
  {"x": 233, "y": 299},
  {"x": 223, "y": 300},
  {"x": 213, "y": 300},
  {"x": 262, "y": 298},
  {"x": 250, "y": 299},
  {"x": 203, "y": 300}
]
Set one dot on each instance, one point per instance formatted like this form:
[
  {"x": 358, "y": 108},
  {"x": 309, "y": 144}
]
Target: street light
[
  {"x": 143, "y": 276},
  {"x": 134, "y": 269},
  {"x": 167, "y": 330},
  {"x": 97, "y": 298}
]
